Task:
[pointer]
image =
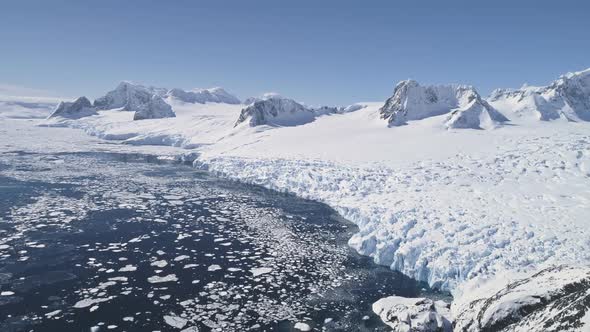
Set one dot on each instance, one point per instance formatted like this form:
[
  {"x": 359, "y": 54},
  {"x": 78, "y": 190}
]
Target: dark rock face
[
  {"x": 554, "y": 299},
  {"x": 79, "y": 108}
]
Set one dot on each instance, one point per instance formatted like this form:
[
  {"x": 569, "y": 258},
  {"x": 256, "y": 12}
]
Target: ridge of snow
[
  {"x": 411, "y": 101},
  {"x": 79, "y": 108}
]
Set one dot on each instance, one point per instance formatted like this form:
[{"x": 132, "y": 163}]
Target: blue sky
[{"x": 318, "y": 52}]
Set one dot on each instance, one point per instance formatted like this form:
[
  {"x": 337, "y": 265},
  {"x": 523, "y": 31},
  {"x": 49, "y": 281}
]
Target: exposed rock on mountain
[
  {"x": 276, "y": 111},
  {"x": 411, "y": 101},
  {"x": 413, "y": 314},
  {"x": 79, "y": 108},
  {"x": 554, "y": 299},
  {"x": 156, "y": 108}
]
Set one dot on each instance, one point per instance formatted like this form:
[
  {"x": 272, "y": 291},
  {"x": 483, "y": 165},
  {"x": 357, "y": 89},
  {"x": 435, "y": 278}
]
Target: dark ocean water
[{"x": 108, "y": 242}]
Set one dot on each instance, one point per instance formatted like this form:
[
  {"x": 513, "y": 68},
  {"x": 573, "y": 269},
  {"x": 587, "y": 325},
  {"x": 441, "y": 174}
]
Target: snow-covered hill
[
  {"x": 411, "y": 101},
  {"x": 566, "y": 98}
]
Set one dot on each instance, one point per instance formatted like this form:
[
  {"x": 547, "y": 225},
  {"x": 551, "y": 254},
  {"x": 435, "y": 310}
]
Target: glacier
[{"x": 432, "y": 198}]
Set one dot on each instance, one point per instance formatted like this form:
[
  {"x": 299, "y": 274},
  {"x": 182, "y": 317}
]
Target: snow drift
[{"x": 411, "y": 101}]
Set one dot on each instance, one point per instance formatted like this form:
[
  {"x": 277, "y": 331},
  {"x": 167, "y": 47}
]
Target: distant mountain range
[{"x": 460, "y": 106}]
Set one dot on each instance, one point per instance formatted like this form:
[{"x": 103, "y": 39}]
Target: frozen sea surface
[{"x": 124, "y": 242}]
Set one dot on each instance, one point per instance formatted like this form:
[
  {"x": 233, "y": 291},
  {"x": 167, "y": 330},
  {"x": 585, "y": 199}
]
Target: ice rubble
[
  {"x": 411, "y": 101},
  {"x": 566, "y": 97},
  {"x": 81, "y": 107}
]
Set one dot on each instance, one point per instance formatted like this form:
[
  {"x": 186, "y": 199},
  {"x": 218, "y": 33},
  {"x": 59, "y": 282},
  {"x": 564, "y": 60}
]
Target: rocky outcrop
[
  {"x": 79, "y": 108},
  {"x": 554, "y": 299},
  {"x": 275, "y": 111},
  {"x": 155, "y": 108},
  {"x": 413, "y": 314}
]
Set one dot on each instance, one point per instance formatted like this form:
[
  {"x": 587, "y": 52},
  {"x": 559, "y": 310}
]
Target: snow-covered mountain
[
  {"x": 275, "y": 111},
  {"x": 155, "y": 108},
  {"x": 202, "y": 96},
  {"x": 126, "y": 95},
  {"x": 79, "y": 108},
  {"x": 147, "y": 103},
  {"x": 411, "y": 101},
  {"x": 567, "y": 97}
]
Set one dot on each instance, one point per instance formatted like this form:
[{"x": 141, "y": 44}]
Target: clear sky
[{"x": 318, "y": 52}]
